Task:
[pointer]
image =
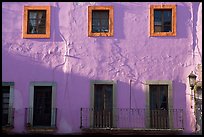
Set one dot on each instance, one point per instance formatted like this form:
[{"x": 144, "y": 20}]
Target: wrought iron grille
[
  {"x": 8, "y": 117},
  {"x": 131, "y": 118},
  {"x": 29, "y": 112}
]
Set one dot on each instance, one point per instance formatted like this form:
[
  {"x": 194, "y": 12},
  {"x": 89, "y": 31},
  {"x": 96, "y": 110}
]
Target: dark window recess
[
  {"x": 103, "y": 104},
  {"x": 163, "y": 20},
  {"x": 36, "y": 22},
  {"x": 159, "y": 106},
  {"x": 42, "y": 105},
  {"x": 5, "y": 104},
  {"x": 100, "y": 20}
]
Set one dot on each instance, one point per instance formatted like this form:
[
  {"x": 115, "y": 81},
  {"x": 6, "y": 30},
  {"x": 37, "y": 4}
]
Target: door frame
[
  {"x": 170, "y": 103},
  {"x": 53, "y": 112},
  {"x": 92, "y": 83}
]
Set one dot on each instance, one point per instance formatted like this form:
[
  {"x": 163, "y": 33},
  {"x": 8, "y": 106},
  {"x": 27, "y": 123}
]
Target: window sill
[
  {"x": 101, "y": 34},
  {"x": 162, "y": 34},
  {"x": 36, "y": 36},
  {"x": 41, "y": 129},
  {"x": 7, "y": 129}
]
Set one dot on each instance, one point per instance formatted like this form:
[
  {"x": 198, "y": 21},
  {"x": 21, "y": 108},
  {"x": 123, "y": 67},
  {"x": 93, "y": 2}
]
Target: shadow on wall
[
  {"x": 131, "y": 97},
  {"x": 55, "y": 33},
  {"x": 119, "y": 14},
  {"x": 71, "y": 94},
  {"x": 73, "y": 90},
  {"x": 180, "y": 102}
]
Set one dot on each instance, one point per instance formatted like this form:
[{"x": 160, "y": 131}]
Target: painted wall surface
[{"x": 71, "y": 58}]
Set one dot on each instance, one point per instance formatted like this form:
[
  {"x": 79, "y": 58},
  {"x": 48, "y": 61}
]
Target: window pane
[
  {"x": 157, "y": 28},
  {"x": 104, "y": 14},
  {"x": 167, "y": 20},
  {"x": 96, "y": 23},
  {"x": 32, "y": 14},
  {"x": 32, "y": 30},
  {"x": 42, "y": 22},
  {"x": 95, "y": 14},
  {"x": 41, "y": 30},
  {"x": 167, "y": 29},
  {"x": 157, "y": 17},
  {"x": 32, "y": 22},
  {"x": 100, "y": 21},
  {"x": 164, "y": 97},
  {"x": 167, "y": 17},
  {"x": 104, "y": 25},
  {"x": 41, "y": 14},
  {"x": 37, "y": 22}
]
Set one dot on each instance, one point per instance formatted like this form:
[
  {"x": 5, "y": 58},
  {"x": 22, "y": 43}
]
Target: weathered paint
[{"x": 72, "y": 59}]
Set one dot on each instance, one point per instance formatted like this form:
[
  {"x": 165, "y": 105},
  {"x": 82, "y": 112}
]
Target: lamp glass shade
[{"x": 192, "y": 79}]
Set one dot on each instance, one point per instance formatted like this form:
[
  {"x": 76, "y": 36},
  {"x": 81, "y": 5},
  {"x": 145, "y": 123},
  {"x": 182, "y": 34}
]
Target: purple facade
[{"x": 131, "y": 60}]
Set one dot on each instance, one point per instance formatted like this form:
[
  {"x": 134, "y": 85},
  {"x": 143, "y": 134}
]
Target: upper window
[
  {"x": 163, "y": 20},
  {"x": 100, "y": 21},
  {"x": 36, "y": 22}
]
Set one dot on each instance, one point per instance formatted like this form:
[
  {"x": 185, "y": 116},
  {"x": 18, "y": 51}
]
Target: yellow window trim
[
  {"x": 111, "y": 22},
  {"x": 25, "y": 22},
  {"x": 152, "y": 8}
]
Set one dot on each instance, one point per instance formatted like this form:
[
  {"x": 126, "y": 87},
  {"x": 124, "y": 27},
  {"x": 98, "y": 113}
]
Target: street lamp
[{"x": 192, "y": 80}]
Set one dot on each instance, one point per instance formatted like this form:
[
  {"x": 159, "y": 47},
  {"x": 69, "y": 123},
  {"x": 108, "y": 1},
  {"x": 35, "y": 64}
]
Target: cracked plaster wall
[{"x": 72, "y": 59}]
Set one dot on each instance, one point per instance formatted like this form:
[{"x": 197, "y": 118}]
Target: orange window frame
[
  {"x": 25, "y": 22},
  {"x": 173, "y": 26},
  {"x": 111, "y": 21}
]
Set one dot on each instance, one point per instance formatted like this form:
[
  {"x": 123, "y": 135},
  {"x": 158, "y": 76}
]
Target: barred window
[
  {"x": 36, "y": 22},
  {"x": 163, "y": 20},
  {"x": 100, "y": 21}
]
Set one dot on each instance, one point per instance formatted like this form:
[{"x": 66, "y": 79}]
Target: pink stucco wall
[{"x": 72, "y": 59}]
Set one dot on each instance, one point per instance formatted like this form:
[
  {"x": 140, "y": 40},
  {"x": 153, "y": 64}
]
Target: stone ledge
[
  {"x": 41, "y": 130},
  {"x": 118, "y": 131}
]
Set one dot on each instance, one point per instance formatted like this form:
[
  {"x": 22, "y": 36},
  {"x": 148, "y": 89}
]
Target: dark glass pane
[
  {"x": 153, "y": 102},
  {"x": 41, "y": 30},
  {"x": 103, "y": 104},
  {"x": 42, "y": 105},
  {"x": 41, "y": 14},
  {"x": 159, "y": 106},
  {"x": 162, "y": 20},
  {"x": 95, "y": 14},
  {"x": 167, "y": 20},
  {"x": 157, "y": 17},
  {"x": 163, "y": 97},
  {"x": 167, "y": 17},
  {"x": 167, "y": 29},
  {"x": 32, "y": 14},
  {"x": 104, "y": 25},
  {"x": 157, "y": 28},
  {"x": 100, "y": 20},
  {"x": 36, "y": 21},
  {"x": 104, "y": 14}
]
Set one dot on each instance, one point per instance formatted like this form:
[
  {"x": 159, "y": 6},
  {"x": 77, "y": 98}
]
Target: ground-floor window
[
  {"x": 159, "y": 102},
  {"x": 7, "y": 104},
  {"x": 102, "y": 103},
  {"x": 42, "y": 111}
]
